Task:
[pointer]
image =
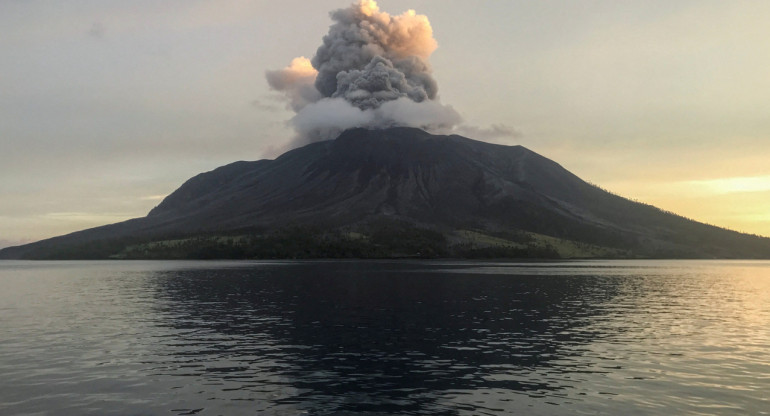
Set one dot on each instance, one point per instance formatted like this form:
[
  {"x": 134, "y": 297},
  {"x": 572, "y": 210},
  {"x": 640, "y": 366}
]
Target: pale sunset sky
[{"x": 107, "y": 106}]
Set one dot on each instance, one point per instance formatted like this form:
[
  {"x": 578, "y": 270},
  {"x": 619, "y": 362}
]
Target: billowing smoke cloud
[
  {"x": 297, "y": 81},
  {"x": 371, "y": 71}
]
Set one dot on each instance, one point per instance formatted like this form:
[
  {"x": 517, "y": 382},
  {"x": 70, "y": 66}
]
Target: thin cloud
[
  {"x": 17, "y": 242},
  {"x": 152, "y": 197},
  {"x": 87, "y": 216},
  {"x": 495, "y": 131},
  {"x": 731, "y": 185},
  {"x": 265, "y": 106},
  {"x": 96, "y": 31}
]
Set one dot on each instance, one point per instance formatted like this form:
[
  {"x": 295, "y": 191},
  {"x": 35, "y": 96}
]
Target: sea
[{"x": 616, "y": 337}]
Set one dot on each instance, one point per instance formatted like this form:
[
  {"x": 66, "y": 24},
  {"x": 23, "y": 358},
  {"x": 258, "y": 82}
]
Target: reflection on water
[{"x": 323, "y": 338}]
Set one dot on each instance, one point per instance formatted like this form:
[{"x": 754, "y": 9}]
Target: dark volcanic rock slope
[
  {"x": 405, "y": 173},
  {"x": 396, "y": 172},
  {"x": 443, "y": 182}
]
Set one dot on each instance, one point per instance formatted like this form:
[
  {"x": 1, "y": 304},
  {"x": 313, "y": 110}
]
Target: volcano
[{"x": 398, "y": 192}]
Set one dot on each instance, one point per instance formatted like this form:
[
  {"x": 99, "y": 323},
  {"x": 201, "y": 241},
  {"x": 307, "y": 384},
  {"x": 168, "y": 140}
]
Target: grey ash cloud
[{"x": 372, "y": 70}]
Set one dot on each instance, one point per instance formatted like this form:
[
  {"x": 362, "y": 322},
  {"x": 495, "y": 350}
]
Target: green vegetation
[
  {"x": 476, "y": 244},
  {"x": 376, "y": 239},
  {"x": 391, "y": 239}
]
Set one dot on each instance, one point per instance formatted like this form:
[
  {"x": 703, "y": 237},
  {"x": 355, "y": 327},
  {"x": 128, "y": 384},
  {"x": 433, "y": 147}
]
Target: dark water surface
[{"x": 385, "y": 338}]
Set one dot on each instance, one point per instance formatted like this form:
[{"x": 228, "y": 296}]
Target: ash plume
[
  {"x": 297, "y": 82},
  {"x": 371, "y": 70}
]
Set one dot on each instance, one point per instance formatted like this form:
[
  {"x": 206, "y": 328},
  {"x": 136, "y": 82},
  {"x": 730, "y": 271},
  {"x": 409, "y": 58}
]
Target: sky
[{"x": 108, "y": 106}]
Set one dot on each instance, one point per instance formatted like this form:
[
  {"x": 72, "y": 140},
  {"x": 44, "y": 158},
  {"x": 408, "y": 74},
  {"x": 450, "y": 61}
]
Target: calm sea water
[{"x": 385, "y": 338}]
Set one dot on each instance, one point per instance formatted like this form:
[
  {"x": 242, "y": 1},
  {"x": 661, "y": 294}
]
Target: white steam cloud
[{"x": 371, "y": 71}]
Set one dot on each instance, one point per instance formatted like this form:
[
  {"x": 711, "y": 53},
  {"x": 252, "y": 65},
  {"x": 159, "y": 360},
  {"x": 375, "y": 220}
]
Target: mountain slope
[{"x": 441, "y": 183}]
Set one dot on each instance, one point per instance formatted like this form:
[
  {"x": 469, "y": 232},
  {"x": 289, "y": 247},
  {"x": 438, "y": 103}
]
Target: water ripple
[{"x": 377, "y": 338}]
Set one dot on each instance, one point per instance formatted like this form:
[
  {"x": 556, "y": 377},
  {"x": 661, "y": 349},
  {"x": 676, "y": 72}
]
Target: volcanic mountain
[{"x": 398, "y": 192}]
